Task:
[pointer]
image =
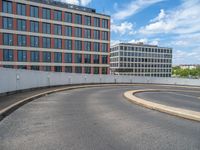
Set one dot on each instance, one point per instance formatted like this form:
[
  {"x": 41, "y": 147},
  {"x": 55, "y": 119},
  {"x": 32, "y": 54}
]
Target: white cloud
[
  {"x": 145, "y": 41},
  {"x": 123, "y": 28},
  {"x": 77, "y": 2},
  {"x": 160, "y": 16},
  {"x": 85, "y": 2},
  {"x": 133, "y": 8}
]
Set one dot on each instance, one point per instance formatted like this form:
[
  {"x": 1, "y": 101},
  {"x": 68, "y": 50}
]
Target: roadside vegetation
[{"x": 186, "y": 73}]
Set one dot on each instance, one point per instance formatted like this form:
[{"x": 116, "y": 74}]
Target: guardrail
[{"x": 16, "y": 79}]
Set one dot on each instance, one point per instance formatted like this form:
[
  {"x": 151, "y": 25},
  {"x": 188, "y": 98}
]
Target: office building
[
  {"x": 50, "y": 35},
  {"x": 141, "y": 60}
]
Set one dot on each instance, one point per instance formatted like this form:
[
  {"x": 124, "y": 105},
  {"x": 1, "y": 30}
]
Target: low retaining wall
[{"x": 16, "y": 79}]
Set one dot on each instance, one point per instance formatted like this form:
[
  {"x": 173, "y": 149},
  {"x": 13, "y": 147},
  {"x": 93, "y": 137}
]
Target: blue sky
[{"x": 170, "y": 23}]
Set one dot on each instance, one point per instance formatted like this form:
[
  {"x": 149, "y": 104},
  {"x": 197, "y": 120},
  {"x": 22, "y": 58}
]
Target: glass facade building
[{"x": 53, "y": 36}]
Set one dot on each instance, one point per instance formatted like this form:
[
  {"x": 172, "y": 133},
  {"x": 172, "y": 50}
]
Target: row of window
[
  {"x": 141, "y": 49},
  {"x": 57, "y": 15},
  {"x": 140, "y": 65},
  {"x": 57, "y": 29},
  {"x": 144, "y": 74},
  {"x": 8, "y": 55},
  {"x": 46, "y": 43}
]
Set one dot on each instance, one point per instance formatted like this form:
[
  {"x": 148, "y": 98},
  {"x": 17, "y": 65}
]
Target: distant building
[
  {"x": 188, "y": 66},
  {"x": 49, "y": 35},
  {"x": 141, "y": 60}
]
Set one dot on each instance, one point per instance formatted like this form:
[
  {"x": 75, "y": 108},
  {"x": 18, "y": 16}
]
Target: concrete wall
[{"x": 12, "y": 79}]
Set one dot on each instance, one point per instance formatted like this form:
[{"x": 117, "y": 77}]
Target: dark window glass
[
  {"x": 35, "y": 57},
  {"x": 34, "y": 26},
  {"x": 57, "y": 15},
  {"x": 96, "y": 34},
  {"x": 104, "y": 35},
  {"x": 21, "y": 25},
  {"x": 78, "y": 32},
  {"x": 22, "y": 67},
  {"x": 87, "y": 33},
  {"x": 7, "y": 23},
  {"x": 104, "y": 23},
  {"x": 34, "y": 41},
  {"x": 78, "y": 19},
  {"x": 104, "y": 70},
  {"x": 78, "y": 45},
  {"x": 34, "y": 11},
  {"x": 21, "y": 40},
  {"x": 96, "y": 70},
  {"x": 87, "y": 20},
  {"x": 7, "y": 39},
  {"x": 8, "y": 55},
  {"x": 87, "y": 46},
  {"x": 68, "y": 17},
  {"x": 68, "y": 69},
  {"x": 22, "y": 56},
  {"x": 96, "y": 59},
  {"x": 78, "y": 58},
  {"x": 104, "y": 47},
  {"x": 58, "y": 43},
  {"x": 96, "y": 22},
  {"x": 68, "y": 31},
  {"x": 46, "y": 42},
  {"x": 57, "y": 29},
  {"x": 46, "y": 13},
  {"x": 21, "y": 9},
  {"x": 46, "y": 28},
  {"x": 46, "y": 56},
  {"x": 7, "y": 7},
  {"x": 35, "y": 68},
  {"x": 68, "y": 44},
  {"x": 68, "y": 58},
  {"x": 78, "y": 69},
  {"x": 96, "y": 47},
  {"x": 104, "y": 59},
  {"x": 87, "y": 58},
  {"x": 58, "y": 69},
  {"x": 57, "y": 57},
  {"x": 87, "y": 70}
]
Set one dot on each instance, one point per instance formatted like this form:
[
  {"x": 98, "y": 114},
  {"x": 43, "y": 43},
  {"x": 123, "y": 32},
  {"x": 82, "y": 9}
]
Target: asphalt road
[{"x": 95, "y": 119}]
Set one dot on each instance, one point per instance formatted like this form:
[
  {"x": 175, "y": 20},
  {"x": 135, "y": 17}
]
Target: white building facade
[{"x": 141, "y": 60}]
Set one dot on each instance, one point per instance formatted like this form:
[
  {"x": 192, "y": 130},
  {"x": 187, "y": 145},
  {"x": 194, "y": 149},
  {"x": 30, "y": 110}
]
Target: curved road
[{"x": 95, "y": 119}]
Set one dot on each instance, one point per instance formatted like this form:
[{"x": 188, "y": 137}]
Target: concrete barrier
[{"x": 16, "y": 79}]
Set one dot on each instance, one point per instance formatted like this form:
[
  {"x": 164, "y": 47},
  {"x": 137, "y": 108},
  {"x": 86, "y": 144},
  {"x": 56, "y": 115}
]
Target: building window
[
  {"x": 7, "y": 7},
  {"x": 58, "y": 43},
  {"x": 7, "y": 39},
  {"x": 68, "y": 30},
  {"x": 7, "y": 23},
  {"x": 57, "y": 29},
  {"x": 68, "y": 69},
  {"x": 57, "y": 57},
  {"x": 104, "y": 47},
  {"x": 96, "y": 22},
  {"x": 104, "y": 70},
  {"x": 68, "y": 58},
  {"x": 96, "y": 47},
  {"x": 78, "y": 32},
  {"x": 104, "y": 35},
  {"x": 46, "y": 28},
  {"x": 58, "y": 69},
  {"x": 68, "y": 44},
  {"x": 87, "y": 33},
  {"x": 87, "y": 58},
  {"x": 34, "y": 41},
  {"x": 21, "y": 25},
  {"x": 46, "y": 56},
  {"x": 68, "y": 17},
  {"x": 46, "y": 42},
  {"x": 21, "y": 9},
  {"x": 96, "y": 34},
  {"x": 21, "y": 40},
  {"x": 78, "y": 45},
  {"x": 34, "y": 11},
  {"x": 96, "y": 59},
  {"x": 34, "y": 26},
  {"x": 35, "y": 56},
  {"x": 57, "y": 15},
  {"x": 22, "y": 56},
  {"x": 35, "y": 68},
  {"x": 87, "y": 70},
  {"x": 96, "y": 70},
  {"x": 78, "y": 58},
  {"x": 104, "y": 59},
  {"x": 78, "y": 69},
  {"x": 87, "y": 46},
  {"x": 8, "y": 55},
  {"x": 46, "y": 13},
  {"x": 87, "y": 20},
  {"x": 78, "y": 19},
  {"x": 104, "y": 23}
]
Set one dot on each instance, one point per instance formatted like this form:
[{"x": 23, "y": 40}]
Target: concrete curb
[{"x": 183, "y": 113}]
